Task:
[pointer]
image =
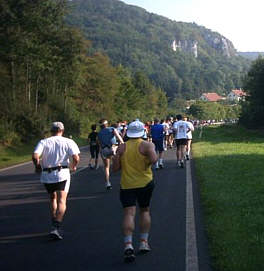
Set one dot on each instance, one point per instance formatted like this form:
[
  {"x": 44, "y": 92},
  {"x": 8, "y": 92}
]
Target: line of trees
[
  {"x": 47, "y": 74},
  {"x": 252, "y": 115}
]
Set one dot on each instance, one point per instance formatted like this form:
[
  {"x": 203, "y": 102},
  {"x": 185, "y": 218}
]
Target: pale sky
[{"x": 241, "y": 21}]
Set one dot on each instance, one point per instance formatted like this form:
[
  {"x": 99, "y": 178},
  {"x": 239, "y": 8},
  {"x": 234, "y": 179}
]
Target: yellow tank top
[{"x": 135, "y": 168}]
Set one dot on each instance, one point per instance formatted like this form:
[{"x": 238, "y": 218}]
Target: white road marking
[{"x": 191, "y": 242}]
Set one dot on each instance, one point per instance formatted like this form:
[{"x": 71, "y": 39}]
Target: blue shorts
[{"x": 158, "y": 145}]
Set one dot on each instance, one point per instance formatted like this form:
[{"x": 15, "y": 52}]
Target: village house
[
  {"x": 236, "y": 95},
  {"x": 211, "y": 97}
]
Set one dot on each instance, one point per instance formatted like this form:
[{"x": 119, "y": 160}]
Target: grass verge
[
  {"x": 22, "y": 153},
  {"x": 229, "y": 163}
]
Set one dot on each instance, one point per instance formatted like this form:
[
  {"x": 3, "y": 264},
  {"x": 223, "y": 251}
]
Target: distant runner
[
  {"x": 189, "y": 138},
  {"x": 157, "y": 134},
  {"x": 94, "y": 148},
  {"x": 181, "y": 129},
  {"x": 108, "y": 142}
]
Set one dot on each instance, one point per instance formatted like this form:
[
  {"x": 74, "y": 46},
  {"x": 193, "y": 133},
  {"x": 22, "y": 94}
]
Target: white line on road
[{"x": 191, "y": 242}]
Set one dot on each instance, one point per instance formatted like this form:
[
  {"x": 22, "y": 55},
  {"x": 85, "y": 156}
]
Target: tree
[{"x": 253, "y": 108}]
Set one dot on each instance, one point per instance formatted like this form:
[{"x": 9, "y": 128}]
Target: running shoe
[
  {"x": 144, "y": 247},
  {"x": 55, "y": 234},
  {"x": 129, "y": 255},
  {"x": 187, "y": 157},
  {"x": 182, "y": 164},
  {"x": 108, "y": 186},
  {"x": 161, "y": 166},
  {"x": 179, "y": 163}
]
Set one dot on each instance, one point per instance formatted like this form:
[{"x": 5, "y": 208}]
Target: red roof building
[
  {"x": 211, "y": 97},
  {"x": 236, "y": 95}
]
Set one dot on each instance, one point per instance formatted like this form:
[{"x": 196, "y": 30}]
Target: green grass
[
  {"x": 22, "y": 153},
  {"x": 229, "y": 163}
]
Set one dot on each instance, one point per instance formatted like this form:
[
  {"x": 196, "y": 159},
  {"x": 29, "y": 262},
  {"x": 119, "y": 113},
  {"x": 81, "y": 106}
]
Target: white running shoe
[
  {"x": 55, "y": 234},
  {"x": 144, "y": 247},
  {"x": 108, "y": 186}
]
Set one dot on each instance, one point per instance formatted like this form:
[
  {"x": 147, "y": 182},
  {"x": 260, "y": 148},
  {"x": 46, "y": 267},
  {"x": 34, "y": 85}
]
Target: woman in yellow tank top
[{"x": 135, "y": 158}]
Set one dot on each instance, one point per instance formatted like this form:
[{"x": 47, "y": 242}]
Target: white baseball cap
[
  {"x": 135, "y": 129},
  {"x": 57, "y": 125}
]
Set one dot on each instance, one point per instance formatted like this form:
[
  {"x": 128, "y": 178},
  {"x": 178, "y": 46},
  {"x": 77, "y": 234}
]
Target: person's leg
[
  {"x": 160, "y": 159},
  {"x": 53, "y": 205},
  {"x": 107, "y": 172},
  {"x": 61, "y": 203},
  {"x": 58, "y": 208},
  {"x": 178, "y": 153},
  {"x": 182, "y": 153},
  {"x": 128, "y": 227},
  {"x": 96, "y": 165},
  {"x": 144, "y": 197},
  {"x": 128, "y": 201},
  {"x": 128, "y": 224},
  {"x": 144, "y": 223}
]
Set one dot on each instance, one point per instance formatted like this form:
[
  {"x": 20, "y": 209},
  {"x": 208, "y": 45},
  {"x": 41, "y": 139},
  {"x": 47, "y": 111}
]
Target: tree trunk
[
  {"x": 13, "y": 80},
  {"x": 37, "y": 94},
  {"x": 65, "y": 100}
]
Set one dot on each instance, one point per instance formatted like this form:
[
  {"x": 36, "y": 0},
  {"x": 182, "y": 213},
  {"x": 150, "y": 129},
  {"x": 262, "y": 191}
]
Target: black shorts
[
  {"x": 142, "y": 196},
  {"x": 158, "y": 145},
  {"x": 52, "y": 187},
  {"x": 181, "y": 141},
  {"x": 94, "y": 150}
]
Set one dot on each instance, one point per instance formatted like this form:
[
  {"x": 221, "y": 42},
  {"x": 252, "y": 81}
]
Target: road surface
[{"x": 92, "y": 233}]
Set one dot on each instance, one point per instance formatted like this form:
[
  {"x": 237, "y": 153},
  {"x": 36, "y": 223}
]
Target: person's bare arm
[
  {"x": 148, "y": 149},
  {"x": 36, "y": 162},
  {"x": 75, "y": 161},
  {"x": 117, "y": 158},
  {"x": 118, "y": 136}
]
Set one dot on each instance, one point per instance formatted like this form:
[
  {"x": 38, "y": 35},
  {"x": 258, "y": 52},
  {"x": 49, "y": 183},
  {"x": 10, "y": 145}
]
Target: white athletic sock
[
  {"x": 128, "y": 241},
  {"x": 144, "y": 236}
]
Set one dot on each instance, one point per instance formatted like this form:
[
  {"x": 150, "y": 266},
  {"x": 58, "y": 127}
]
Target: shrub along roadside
[
  {"x": 229, "y": 166},
  {"x": 22, "y": 153}
]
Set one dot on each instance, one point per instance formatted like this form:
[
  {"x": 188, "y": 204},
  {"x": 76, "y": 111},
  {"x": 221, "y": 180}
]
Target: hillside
[{"x": 184, "y": 59}]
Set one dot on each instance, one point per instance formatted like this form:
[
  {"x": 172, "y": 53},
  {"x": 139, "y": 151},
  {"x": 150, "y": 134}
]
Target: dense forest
[
  {"x": 204, "y": 61},
  {"x": 47, "y": 74}
]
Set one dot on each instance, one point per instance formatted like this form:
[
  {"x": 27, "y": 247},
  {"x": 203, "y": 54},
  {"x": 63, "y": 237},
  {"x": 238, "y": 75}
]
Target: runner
[
  {"x": 94, "y": 148},
  {"x": 181, "y": 129},
  {"x": 55, "y": 152},
  {"x": 135, "y": 158},
  {"x": 108, "y": 143},
  {"x": 166, "y": 133},
  {"x": 189, "y": 138},
  {"x": 157, "y": 134}
]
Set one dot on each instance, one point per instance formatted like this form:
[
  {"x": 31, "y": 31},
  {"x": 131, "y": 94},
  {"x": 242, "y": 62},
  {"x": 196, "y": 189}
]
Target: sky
[{"x": 240, "y": 21}]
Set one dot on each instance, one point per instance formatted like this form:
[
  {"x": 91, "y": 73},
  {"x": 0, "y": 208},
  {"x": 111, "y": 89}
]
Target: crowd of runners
[
  {"x": 133, "y": 148},
  {"x": 169, "y": 133}
]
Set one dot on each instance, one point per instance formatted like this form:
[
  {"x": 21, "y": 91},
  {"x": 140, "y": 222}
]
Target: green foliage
[
  {"x": 253, "y": 108},
  {"x": 47, "y": 75},
  {"x": 142, "y": 41},
  {"x": 214, "y": 111}
]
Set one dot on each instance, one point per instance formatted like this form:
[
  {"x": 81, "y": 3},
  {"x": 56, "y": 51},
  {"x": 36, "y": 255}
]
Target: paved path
[{"x": 93, "y": 239}]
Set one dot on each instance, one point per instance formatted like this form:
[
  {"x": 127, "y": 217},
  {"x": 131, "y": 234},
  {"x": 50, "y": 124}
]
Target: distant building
[
  {"x": 211, "y": 97},
  {"x": 236, "y": 95}
]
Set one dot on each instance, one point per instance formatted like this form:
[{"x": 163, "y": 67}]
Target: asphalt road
[{"x": 92, "y": 233}]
